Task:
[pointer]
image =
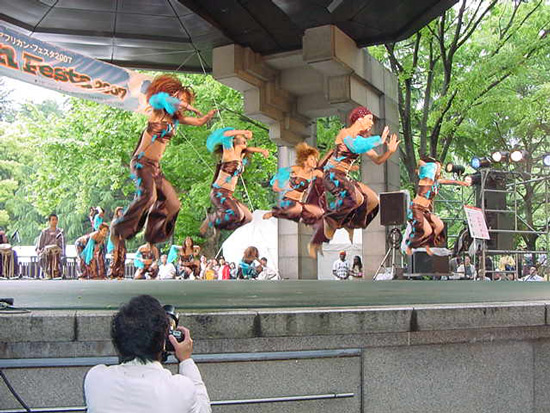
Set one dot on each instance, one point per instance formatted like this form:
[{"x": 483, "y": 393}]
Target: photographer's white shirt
[{"x": 140, "y": 388}]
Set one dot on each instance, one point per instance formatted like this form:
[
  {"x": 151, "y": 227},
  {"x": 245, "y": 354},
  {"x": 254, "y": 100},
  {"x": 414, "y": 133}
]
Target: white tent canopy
[{"x": 260, "y": 233}]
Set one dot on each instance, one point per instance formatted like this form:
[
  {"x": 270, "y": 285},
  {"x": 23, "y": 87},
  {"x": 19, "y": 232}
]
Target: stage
[{"x": 228, "y": 295}]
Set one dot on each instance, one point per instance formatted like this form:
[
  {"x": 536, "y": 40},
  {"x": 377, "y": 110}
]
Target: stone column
[{"x": 289, "y": 90}]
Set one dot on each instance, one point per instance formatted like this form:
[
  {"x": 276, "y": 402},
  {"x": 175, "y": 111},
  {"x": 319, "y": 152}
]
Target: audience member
[
  {"x": 357, "y": 267},
  {"x": 167, "y": 271},
  {"x": 466, "y": 270},
  {"x": 533, "y": 275},
  {"x": 341, "y": 268},
  {"x": 267, "y": 273}
]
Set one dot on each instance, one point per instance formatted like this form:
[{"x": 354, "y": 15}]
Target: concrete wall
[{"x": 476, "y": 358}]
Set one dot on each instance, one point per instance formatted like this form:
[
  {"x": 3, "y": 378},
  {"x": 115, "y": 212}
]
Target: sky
[{"x": 23, "y": 91}]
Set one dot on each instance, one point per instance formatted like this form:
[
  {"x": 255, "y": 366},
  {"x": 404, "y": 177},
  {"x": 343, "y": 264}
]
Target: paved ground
[{"x": 254, "y": 294}]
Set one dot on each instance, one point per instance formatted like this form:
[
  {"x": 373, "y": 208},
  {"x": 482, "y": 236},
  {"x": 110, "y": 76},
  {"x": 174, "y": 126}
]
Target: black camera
[{"x": 173, "y": 318}]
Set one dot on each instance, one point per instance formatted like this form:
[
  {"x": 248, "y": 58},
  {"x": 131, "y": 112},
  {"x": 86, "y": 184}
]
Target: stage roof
[{"x": 165, "y": 34}]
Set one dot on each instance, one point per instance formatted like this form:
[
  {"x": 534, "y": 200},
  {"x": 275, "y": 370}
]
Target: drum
[
  {"x": 7, "y": 262},
  {"x": 52, "y": 256},
  {"x": 52, "y": 249}
]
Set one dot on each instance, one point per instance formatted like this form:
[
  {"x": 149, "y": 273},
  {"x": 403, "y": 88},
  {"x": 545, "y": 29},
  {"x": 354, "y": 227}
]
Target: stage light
[
  {"x": 454, "y": 168},
  {"x": 474, "y": 179},
  {"x": 519, "y": 155},
  {"x": 500, "y": 156},
  {"x": 478, "y": 162},
  {"x": 546, "y": 159}
]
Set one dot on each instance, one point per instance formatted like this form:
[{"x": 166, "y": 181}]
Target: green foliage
[{"x": 69, "y": 160}]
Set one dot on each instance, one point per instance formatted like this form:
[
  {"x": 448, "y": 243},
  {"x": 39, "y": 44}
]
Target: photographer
[{"x": 140, "y": 383}]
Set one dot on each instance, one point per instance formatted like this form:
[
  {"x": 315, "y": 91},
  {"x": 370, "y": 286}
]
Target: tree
[{"x": 448, "y": 68}]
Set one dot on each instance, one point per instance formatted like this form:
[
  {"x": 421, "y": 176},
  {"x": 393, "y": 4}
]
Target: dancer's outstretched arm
[
  {"x": 452, "y": 182},
  {"x": 194, "y": 121},
  {"x": 263, "y": 151},
  {"x": 392, "y": 148}
]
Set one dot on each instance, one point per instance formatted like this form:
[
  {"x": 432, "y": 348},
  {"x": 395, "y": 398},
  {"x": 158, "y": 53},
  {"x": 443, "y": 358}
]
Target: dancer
[
  {"x": 249, "y": 266},
  {"x": 156, "y": 202},
  {"x": 187, "y": 257},
  {"x": 427, "y": 228},
  {"x": 50, "y": 249},
  {"x": 230, "y": 213},
  {"x": 146, "y": 262},
  {"x": 97, "y": 218},
  {"x": 118, "y": 252},
  {"x": 91, "y": 254},
  {"x": 292, "y": 183},
  {"x": 355, "y": 205}
]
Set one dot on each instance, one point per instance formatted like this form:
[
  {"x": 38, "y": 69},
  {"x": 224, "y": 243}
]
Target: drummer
[{"x": 50, "y": 249}]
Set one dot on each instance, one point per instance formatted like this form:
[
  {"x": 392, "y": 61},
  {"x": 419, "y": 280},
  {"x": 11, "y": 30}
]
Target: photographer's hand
[{"x": 184, "y": 349}]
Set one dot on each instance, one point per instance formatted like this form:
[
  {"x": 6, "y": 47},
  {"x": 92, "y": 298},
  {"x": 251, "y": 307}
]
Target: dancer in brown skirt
[
  {"x": 355, "y": 205},
  {"x": 118, "y": 252},
  {"x": 156, "y": 203},
  {"x": 91, "y": 254},
  {"x": 229, "y": 213},
  {"x": 293, "y": 183}
]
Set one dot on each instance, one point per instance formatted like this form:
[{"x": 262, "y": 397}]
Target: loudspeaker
[
  {"x": 393, "y": 207},
  {"x": 423, "y": 263}
]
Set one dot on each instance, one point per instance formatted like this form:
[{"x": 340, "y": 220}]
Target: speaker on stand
[{"x": 393, "y": 212}]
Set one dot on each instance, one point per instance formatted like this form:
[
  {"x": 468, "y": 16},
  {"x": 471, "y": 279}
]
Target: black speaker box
[
  {"x": 423, "y": 263},
  {"x": 393, "y": 207}
]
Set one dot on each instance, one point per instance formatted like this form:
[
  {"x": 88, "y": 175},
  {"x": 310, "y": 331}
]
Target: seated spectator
[
  {"x": 140, "y": 384},
  {"x": 233, "y": 270},
  {"x": 146, "y": 260},
  {"x": 533, "y": 275},
  {"x": 267, "y": 273},
  {"x": 224, "y": 271},
  {"x": 167, "y": 271},
  {"x": 210, "y": 272},
  {"x": 466, "y": 270}
]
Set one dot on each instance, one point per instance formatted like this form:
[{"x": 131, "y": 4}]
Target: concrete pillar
[{"x": 289, "y": 90}]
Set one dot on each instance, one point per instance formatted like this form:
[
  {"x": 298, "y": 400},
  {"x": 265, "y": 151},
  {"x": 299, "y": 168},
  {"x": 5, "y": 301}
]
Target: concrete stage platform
[
  {"x": 299, "y": 346},
  {"x": 228, "y": 295}
]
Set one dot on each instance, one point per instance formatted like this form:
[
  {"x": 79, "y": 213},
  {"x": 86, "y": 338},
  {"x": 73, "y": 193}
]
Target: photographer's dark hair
[{"x": 139, "y": 330}]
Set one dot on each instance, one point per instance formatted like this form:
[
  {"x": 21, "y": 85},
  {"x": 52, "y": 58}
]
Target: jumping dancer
[
  {"x": 156, "y": 202},
  {"x": 230, "y": 213},
  {"x": 427, "y": 228},
  {"x": 292, "y": 183},
  {"x": 355, "y": 205}
]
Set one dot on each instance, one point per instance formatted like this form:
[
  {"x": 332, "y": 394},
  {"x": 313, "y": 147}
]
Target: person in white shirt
[
  {"x": 167, "y": 271},
  {"x": 466, "y": 270},
  {"x": 267, "y": 273},
  {"x": 532, "y": 276},
  {"x": 341, "y": 268},
  {"x": 140, "y": 384}
]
